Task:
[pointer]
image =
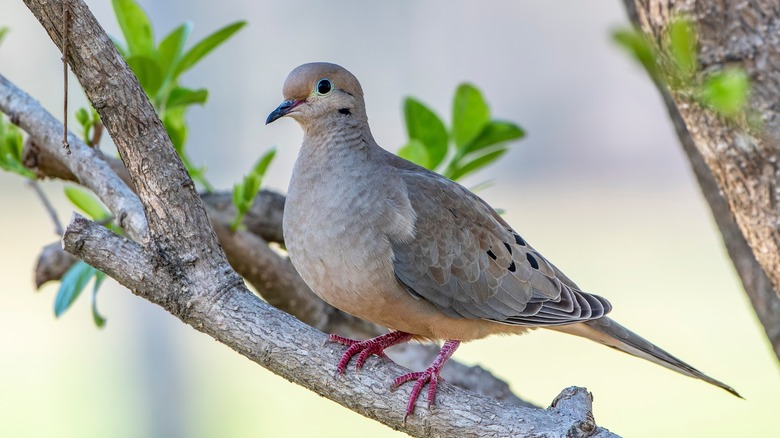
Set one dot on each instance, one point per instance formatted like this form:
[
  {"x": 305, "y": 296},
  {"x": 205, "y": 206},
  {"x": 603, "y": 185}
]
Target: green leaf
[
  {"x": 470, "y": 113},
  {"x": 206, "y": 45},
  {"x": 176, "y": 125},
  {"x": 262, "y": 164},
  {"x": 11, "y": 145},
  {"x": 640, "y": 47},
  {"x": 493, "y": 133},
  {"x": 3, "y": 32},
  {"x": 726, "y": 91},
  {"x": 135, "y": 27},
  {"x": 238, "y": 196},
  {"x": 181, "y": 96},
  {"x": 148, "y": 72},
  {"x": 71, "y": 285},
  {"x": 417, "y": 153},
  {"x": 171, "y": 48},
  {"x": 682, "y": 46},
  {"x": 476, "y": 164},
  {"x": 244, "y": 193},
  {"x": 87, "y": 203},
  {"x": 99, "y": 320},
  {"x": 82, "y": 116},
  {"x": 424, "y": 126}
]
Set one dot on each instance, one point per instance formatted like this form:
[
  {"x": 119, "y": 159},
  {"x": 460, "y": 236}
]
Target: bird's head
[{"x": 320, "y": 91}]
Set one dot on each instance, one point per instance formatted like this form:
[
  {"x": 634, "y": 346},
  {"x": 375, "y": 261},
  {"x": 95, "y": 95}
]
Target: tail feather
[{"x": 608, "y": 332}]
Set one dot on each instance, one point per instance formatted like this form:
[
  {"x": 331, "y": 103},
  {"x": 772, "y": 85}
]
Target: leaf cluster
[
  {"x": 474, "y": 141},
  {"x": 78, "y": 276},
  {"x": 674, "y": 62},
  {"x": 159, "y": 67}
]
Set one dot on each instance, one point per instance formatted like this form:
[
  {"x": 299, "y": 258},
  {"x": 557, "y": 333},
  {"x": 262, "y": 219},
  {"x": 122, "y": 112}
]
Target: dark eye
[{"x": 324, "y": 86}]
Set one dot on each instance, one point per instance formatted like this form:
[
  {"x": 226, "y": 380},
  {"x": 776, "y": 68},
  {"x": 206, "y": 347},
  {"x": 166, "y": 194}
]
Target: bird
[{"x": 396, "y": 244}]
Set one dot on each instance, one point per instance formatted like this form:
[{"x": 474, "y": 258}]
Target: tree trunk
[{"x": 736, "y": 166}]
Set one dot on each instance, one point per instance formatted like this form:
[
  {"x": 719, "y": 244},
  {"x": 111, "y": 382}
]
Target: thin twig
[
  {"x": 66, "y": 24},
  {"x": 47, "y": 205}
]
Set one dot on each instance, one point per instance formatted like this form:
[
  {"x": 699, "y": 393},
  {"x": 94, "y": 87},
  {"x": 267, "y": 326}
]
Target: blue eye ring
[{"x": 323, "y": 87}]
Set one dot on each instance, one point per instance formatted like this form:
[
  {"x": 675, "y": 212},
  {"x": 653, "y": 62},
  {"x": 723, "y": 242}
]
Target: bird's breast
[{"x": 337, "y": 228}]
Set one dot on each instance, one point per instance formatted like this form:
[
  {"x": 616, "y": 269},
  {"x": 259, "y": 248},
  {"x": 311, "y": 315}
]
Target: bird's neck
[{"x": 329, "y": 139}]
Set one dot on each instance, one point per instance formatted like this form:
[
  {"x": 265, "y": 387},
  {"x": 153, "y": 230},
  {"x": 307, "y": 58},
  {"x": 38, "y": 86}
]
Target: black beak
[{"x": 282, "y": 110}]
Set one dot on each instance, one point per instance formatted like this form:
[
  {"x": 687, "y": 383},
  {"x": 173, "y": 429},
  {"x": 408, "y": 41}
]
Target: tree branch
[
  {"x": 251, "y": 327},
  {"x": 737, "y": 171},
  {"x": 84, "y": 162}
]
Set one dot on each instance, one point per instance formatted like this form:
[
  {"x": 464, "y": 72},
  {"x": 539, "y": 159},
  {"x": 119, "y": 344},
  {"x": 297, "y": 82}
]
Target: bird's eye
[{"x": 323, "y": 87}]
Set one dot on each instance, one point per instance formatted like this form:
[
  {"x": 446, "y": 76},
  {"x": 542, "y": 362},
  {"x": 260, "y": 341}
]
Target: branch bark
[
  {"x": 179, "y": 265},
  {"x": 737, "y": 170}
]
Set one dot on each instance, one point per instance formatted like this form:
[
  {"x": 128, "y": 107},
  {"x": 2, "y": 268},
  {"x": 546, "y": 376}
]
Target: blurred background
[{"x": 600, "y": 186}]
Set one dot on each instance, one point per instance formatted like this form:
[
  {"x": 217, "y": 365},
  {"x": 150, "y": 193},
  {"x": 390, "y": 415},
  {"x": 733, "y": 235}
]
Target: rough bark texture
[
  {"x": 737, "y": 169},
  {"x": 180, "y": 265}
]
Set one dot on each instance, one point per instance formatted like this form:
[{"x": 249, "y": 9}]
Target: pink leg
[
  {"x": 430, "y": 376},
  {"x": 364, "y": 349}
]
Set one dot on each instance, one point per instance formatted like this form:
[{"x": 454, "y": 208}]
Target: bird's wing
[{"x": 467, "y": 261}]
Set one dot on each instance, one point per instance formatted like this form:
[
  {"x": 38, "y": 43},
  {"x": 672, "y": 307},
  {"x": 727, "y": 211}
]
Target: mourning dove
[{"x": 393, "y": 243}]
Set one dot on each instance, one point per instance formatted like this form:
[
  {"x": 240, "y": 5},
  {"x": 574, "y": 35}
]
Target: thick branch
[
  {"x": 737, "y": 171},
  {"x": 235, "y": 317}
]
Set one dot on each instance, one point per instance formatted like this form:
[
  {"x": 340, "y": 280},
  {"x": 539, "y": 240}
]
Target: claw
[
  {"x": 365, "y": 349},
  {"x": 376, "y": 346},
  {"x": 429, "y": 376}
]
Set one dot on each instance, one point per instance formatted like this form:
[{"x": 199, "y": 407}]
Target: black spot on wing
[
  {"x": 532, "y": 260},
  {"x": 519, "y": 240},
  {"x": 508, "y": 248},
  {"x": 492, "y": 256}
]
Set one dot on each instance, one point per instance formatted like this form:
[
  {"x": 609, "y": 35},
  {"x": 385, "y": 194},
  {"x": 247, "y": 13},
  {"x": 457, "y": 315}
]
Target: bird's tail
[{"x": 608, "y": 332}]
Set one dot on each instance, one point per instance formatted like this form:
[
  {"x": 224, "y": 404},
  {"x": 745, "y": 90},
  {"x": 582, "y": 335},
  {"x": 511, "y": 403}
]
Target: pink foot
[
  {"x": 430, "y": 376},
  {"x": 364, "y": 349}
]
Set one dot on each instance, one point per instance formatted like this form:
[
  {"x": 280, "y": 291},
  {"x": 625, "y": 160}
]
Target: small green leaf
[
  {"x": 424, "y": 126},
  {"x": 181, "y": 96},
  {"x": 682, "y": 46},
  {"x": 135, "y": 27},
  {"x": 262, "y": 164},
  {"x": 640, "y": 47},
  {"x": 476, "y": 164},
  {"x": 73, "y": 282},
  {"x": 493, "y": 133},
  {"x": 3, "y": 32},
  {"x": 11, "y": 146},
  {"x": 82, "y": 116},
  {"x": 470, "y": 113},
  {"x": 417, "y": 153},
  {"x": 99, "y": 320},
  {"x": 148, "y": 72},
  {"x": 87, "y": 203},
  {"x": 171, "y": 48},
  {"x": 726, "y": 91},
  {"x": 244, "y": 193},
  {"x": 206, "y": 45}
]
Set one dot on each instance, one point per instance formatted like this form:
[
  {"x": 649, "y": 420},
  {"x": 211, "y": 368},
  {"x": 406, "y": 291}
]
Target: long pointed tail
[{"x": 608, "y": 332}]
